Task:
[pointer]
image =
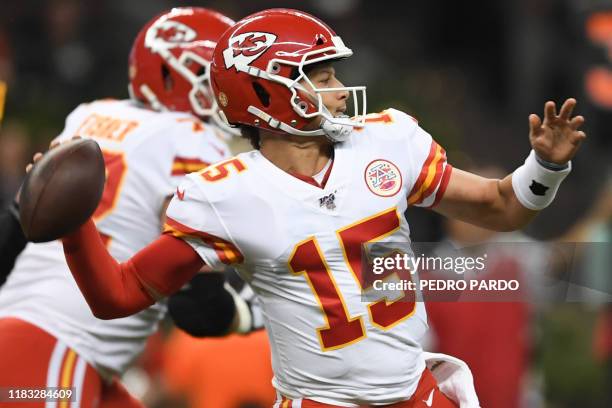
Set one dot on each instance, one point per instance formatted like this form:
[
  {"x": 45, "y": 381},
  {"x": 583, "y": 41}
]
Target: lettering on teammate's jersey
[
  {"x": 383, "y": 178},
  {"x": 106, "y": 127},
  {"x": 196, "y": 124}
]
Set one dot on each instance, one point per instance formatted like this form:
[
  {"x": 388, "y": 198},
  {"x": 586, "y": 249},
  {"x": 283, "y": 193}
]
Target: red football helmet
[
  {"x": 257, "y": 68},
  {"x": 169, "y": 66}
]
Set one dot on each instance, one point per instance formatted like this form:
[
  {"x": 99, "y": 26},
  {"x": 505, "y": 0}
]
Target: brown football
[{"x": 62, "y": 190}]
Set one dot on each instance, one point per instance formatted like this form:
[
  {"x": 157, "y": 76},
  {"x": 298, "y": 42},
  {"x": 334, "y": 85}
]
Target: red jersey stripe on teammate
[
  {"x": 186, "y": 165},
  {"x": 227, "y": 252}
]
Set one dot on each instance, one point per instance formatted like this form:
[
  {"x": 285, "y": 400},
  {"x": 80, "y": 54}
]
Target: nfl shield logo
[{"x": 328, "y": 201}]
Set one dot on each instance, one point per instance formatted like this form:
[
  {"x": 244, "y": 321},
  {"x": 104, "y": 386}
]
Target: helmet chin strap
[
  {"x": 339, "y": 130},
  {"x": 336, "y": 131}
]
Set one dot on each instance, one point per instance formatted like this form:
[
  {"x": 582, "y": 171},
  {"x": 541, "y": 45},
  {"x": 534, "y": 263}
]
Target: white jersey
[
  {"x": 146, "y": 155},
  {"x": 299, "y": 247}
]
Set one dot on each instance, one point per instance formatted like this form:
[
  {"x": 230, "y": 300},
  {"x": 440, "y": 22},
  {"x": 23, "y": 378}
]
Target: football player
[
  {"x": 292, "y": 216},
  {"x": 49, "y": 337}
]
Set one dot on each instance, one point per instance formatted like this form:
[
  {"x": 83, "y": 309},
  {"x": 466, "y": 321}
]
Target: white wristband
[{"x": 536, "y": 186}]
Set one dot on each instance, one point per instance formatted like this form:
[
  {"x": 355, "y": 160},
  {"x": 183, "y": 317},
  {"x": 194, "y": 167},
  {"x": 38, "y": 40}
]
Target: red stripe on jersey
[
  {"x": 311, "y": 180},
  {"x": 443, "y": 184},
  {"x": 327, "y": 173},
  {"x": 417, "y": 196},
  {"x": 307, "y": 179},
  {"x": 191, "y": 160},
  {"x": 423, "y": 174},
  {"x": 436, "y": 180},
  {"x": 186, "y": 165},
  {"x": 227, "y": 252}
]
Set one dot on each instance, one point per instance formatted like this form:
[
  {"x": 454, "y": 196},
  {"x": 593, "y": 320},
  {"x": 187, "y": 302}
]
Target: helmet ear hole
[
  {"x": 262, "y": 94},
  {"x": 303, "y": 106},
  {"x": 167, "y": 78}
]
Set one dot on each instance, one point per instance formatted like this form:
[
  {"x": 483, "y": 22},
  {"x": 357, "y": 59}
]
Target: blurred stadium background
[{"x": 471, "y": 72}]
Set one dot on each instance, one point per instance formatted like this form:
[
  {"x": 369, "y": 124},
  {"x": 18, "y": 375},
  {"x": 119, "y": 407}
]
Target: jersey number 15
[{"x": 342, "y": 329}]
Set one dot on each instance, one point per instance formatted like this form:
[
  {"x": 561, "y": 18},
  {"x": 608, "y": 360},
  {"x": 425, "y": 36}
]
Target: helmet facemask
[
  {"x": 336, "y": 128},
  {"x": 179, "y": 54}
]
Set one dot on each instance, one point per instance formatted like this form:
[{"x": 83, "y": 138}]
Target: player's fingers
[
  {"x": 53, "y": 144},
  {"x": 578, "y": 138},
  {"x": 577, "y": 122},
  {"x": 550, "y": 110},
  {"x": 37, "y": 157},
  {"x": 534, "y": 122},
  {"x": 567, "y": 108}
]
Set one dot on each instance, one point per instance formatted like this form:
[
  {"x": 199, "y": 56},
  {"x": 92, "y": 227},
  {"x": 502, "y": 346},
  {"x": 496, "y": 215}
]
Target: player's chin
[{"x": 340, "y": 112}]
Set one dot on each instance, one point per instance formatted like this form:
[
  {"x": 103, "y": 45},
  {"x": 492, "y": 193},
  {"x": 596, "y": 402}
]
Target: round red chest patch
[{"x": 383, "y": 178}]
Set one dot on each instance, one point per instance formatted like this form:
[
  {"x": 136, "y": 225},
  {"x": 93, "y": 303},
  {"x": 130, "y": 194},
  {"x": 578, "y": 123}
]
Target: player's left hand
[
  {"x": 557, "y": 139},
  {"x": 38, "y": 155}
]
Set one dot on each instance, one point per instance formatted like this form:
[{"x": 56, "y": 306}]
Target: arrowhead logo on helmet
[
  {"x": 246, "y": 48},
  {"x": 167, "y": 34}
]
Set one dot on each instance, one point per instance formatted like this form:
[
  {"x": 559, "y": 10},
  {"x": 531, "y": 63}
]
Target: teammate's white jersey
[
  {"x": 146, "y": 154},
  {"x": 299, "y": 246}
]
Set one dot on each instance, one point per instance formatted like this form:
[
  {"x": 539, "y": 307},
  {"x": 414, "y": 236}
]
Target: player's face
[{"x": 324, "y": 76}]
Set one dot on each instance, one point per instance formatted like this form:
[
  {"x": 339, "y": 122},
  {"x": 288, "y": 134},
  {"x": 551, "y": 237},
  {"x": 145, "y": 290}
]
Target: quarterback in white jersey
[
  {"x": 146, "y": 152},
  {"x": 311, "y": 255},
  {"x": 294, "y": 215}
]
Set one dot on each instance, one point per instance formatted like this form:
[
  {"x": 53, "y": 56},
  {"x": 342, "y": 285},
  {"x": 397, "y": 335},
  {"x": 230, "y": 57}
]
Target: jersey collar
[{"x": 304, "y": 188}]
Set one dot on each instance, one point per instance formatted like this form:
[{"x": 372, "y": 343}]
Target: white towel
[{"x": 454, "y": 378}]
